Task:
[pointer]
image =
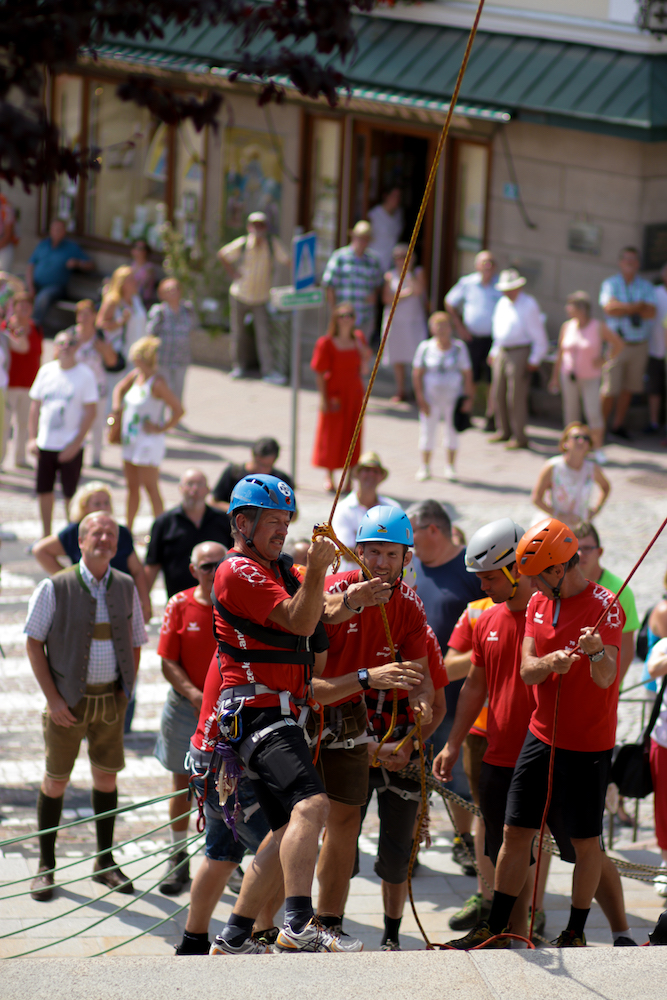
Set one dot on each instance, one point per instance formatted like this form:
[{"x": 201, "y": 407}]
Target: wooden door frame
[{"x": 452, "y": 200}]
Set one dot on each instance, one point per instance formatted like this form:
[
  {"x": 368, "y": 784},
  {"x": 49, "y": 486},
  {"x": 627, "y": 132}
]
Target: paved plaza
[{"x": 223, "y": 418}]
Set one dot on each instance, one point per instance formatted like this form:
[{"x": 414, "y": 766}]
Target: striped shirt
[
  {"x": 173, "y": 329},
  {"x": 353, "y": 279},
  {"x": 102, "y": 665}
]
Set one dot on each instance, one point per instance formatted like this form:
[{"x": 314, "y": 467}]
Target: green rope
[
  {"x": 88, "y": 857},
  {"x": 90, "y": 819},
  {"x": 120, "y": 909},
  {"x": 148, "y": 930}
]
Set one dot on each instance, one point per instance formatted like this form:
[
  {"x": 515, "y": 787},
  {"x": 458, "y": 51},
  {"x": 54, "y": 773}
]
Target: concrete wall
[{"x": 564, "y": 175}]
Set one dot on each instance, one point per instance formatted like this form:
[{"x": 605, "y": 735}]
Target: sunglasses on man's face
[{"x": 209, "y": 567}]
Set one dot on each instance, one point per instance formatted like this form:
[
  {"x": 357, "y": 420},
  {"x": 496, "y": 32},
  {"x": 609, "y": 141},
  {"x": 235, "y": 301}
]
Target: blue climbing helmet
[
  {"x": 265, "y": 492},
  {"x": 385, "y": 524}
]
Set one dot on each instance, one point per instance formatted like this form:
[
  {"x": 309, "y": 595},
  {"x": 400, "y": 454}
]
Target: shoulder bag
[{"x": 631, "y": 769}]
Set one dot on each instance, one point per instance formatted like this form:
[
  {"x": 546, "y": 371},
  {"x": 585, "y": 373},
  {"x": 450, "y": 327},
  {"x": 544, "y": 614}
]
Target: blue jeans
[
  {"x": 251, "y": 827},
  {"x": 44, "y": 299}
]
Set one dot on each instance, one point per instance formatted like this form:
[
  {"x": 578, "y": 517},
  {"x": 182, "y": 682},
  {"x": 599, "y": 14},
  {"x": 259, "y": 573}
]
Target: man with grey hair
[
  {"x": 354, "y": 274},
  {"x": 445, "y": 587},
  {"x": 85, "y": 630}
]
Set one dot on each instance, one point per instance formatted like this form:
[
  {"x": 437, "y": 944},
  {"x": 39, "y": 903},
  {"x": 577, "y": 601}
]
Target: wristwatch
[
  {"x": 596, "y": 657},
  {"x": 356, "y": 611},
  {"x": 363, "y": 678}
]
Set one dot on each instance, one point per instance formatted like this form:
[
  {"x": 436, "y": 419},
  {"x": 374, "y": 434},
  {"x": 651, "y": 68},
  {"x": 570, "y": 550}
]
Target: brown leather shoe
[
  {"x": 41, "y": 887},
  {"x": 112, "y": 880},
  {"x": 498, "y": 438},
  {"x": 517, "y": 446}
]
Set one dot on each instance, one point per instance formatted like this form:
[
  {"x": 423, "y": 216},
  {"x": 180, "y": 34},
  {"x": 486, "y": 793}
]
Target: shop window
[
  {"x": 472, "y": 170},
  {"x": 67, "y": 97},
  {"x": 189, "y": 181},
  {"x": 327, "y": 139}
]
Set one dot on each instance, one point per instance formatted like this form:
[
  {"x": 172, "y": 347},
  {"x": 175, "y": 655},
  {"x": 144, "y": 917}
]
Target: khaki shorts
[
  {"x": 100, "y": 718},
  {"x": 344, "y": 773},
  {"x": 472, "y": 752},
  {"x": 626, "y": 372}
]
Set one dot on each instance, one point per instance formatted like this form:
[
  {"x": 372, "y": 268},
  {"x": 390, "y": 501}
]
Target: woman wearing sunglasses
[
  {"x": 570, "y": 480},
  {"x": 339, "y": 360}
]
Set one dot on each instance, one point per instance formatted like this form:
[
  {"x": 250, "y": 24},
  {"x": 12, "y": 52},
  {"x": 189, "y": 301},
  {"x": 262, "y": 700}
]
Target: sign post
[{"x": 302, "y": 294}]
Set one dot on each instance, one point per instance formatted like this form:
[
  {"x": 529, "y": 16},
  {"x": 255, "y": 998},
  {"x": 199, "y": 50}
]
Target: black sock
[
  {"x": 48, "y": 815},
  {"x": 193, "y": 944},
  {"x": 578, "y": 920},
  {"x": 103, "y": 802},
  {"x": 392, "y": 925},
  {"x": 501, "y": 907},
  {"x": 237, "y": 930},
  {"x": 298, "y": 911},
  {"x": 330, "y": 920}
]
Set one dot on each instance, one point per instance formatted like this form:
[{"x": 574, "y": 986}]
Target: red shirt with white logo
[
  {"x": 461, "y": 641},
  {"x": 496, "y": 649},
  {"x": 186, "y": 635},
  {"x": 361, "y": 641},
  {"x": 586, "y": 712}
]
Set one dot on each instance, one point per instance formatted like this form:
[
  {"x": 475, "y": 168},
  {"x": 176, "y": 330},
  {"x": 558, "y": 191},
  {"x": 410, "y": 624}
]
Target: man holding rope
[
  {"x": 579, "y": 722},
  {"x": 267, "y": 625}
]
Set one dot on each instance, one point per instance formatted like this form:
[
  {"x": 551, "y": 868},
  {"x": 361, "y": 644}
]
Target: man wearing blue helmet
[
  {"x": 355, "y": 687},
  {"x": 267, "y": 626}
]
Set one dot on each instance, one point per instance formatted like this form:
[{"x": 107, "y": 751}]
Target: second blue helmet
[
  {"x": 385, "y": 524},
  {"x": 267, "y": 492}
]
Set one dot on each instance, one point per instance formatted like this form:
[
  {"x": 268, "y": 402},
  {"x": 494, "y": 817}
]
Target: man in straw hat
[
  {"x": 519, "y": 345},
  {"x": 354, "y": 274},
  {"x": 369, "y": 472}
]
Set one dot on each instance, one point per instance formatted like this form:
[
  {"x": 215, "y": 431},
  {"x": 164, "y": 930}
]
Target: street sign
[
  {"x": 303, "y": 261},
  {"x": 287, "y": 297}
]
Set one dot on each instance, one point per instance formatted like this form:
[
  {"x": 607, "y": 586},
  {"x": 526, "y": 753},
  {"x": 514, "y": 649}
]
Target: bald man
[
  {"x": 176, "y": 533},
  {"x": 186, "y": 646},
  {"x": 85, "y": 630}
]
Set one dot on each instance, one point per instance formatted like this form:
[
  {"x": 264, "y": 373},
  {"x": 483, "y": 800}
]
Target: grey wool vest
[{"x": 70, "y": 636}]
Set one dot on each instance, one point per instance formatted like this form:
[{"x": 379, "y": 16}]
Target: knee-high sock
[
  {"x": 103, "y": 802},
  {"x": 48, "y": 815}
]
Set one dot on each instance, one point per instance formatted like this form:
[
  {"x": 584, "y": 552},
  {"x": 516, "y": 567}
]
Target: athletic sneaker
[
  {"x": 450, "y": 473},
  {"x": 390, "y": 946},
  {"x": 423, "y": 473},
  {"x": 660, "y": 881},
  {"x": 249, "y": 947},
  {"x": 480, "y": 933},
  {"x": 569, "y": 939},
  {"x": 315, "y": 937},
  {"x": 625, "y": 942},
  {"x": 474, "y": 909},
  {"x": 462, "y": 856},
  {"x": 267, "y": 936},
  {"x": 540, "y": 921}
]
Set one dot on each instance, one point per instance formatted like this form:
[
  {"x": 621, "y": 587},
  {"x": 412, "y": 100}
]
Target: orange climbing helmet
[{"x": 546, "y": 544}]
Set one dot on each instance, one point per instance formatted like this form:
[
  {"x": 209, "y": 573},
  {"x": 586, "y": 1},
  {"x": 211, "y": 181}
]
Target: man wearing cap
[
  {"x": 519, "y": 345},
  {"x": 369, "y": 472},
  {"x": 249, "y": 261},
  {"x": 354, "y": 274},
  {"x": 470, "y": 304}
]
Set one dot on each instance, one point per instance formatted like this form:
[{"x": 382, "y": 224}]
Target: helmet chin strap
[
  {"x": 555, "y": 591},
  {"x": 512, "y": 580},
  {"x": 248, "y": 539}
]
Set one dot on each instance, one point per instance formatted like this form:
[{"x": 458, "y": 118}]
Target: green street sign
[{"x": 287, "y": 298}]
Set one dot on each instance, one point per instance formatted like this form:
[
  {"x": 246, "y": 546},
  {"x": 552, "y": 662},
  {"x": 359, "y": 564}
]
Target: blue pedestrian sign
[{"x": 303, "y": 261}]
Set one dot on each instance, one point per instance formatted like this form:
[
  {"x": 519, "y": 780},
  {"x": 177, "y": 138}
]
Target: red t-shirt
[
  {"x": 361, "y": 641},
  {"x": 23, "y": 368},
  {"x": 187, "y": 636},
  {"x": 586, "y": 713},
  {"x": 496, "y": 649},
  {"x": 461, "y": 641}
]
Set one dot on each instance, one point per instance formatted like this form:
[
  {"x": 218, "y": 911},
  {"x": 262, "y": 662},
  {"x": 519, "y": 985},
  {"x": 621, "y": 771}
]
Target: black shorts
[
  {"x": 47, "y": 467},
  {"x": 281, "y": 768},
  {"x": 655, "y": 372},
  {"x": 579, "y": 789},
  {"x": 494, "y": 786},
  {"x": 397, "y": 815},
  {"x": 344, "y": 772},
  {"x": 478, "y": 349}
]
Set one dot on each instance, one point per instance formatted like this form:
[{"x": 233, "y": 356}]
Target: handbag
[
  {"x": 121, "y": 361},
  {"x": 631, "y": 769},
  {"x": 461, "y": 419},
  {"x": 114, "y": 421}
]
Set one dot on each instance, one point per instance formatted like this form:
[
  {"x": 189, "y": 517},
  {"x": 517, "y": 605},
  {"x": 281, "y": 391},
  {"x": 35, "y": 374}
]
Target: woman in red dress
[{"x": 339, "y": 360}]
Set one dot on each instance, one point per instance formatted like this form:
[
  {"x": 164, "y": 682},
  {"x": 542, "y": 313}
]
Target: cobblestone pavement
[{"x": 223, "y": 418}]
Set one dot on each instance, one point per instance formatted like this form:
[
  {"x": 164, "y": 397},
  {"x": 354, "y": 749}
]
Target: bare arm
[
  {"x": 461, "y": 329},
  {"x": 137, "y": 658},
  {"x": 161, "y": 390},
  {"x": 471, "y": 701},
  {"x": 29, "y": 278},
  {"x": 56, "y": 704},
  {"x": 555, "y": 372},
  {"x": 181, "y": 683},
  {"x": 68, "y": 453},
  {"x": 228, "y": 266},
  {"x": 543, "y": 484},
  {"x": 359, "y": 595},
  {"x": 421, "y": 698},
  {"x": 106, "y": 317},
  {"x": 121, "y": 388},
  {"x": 657, "y": 621},
  {"x": 658, "y": 667},
  {"x": 138, "y": 574},
  {"x": 322, "y": 389},
  {"x": 151, "y": 571},
  {"x": 418, "y": 386},
  {"x": 457, "y": 664},
  {"x": 387, "y": 294},
  {"x": 301, "y": 613},
  {"x": 106, "y": 352},
  {"x": 605, "y": 489},
  {"x": 46, "y": 552},
  {"x": 615, "y": 341},
  {"x": 383, "y": 678},
  {"x": 535, "y": 669},
  {"x": 33, "y": 424},
  {"x": 627, "y": 652}
]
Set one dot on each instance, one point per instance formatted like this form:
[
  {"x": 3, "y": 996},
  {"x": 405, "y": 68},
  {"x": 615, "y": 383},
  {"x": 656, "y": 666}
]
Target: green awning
[{"x": 553, "y": 82}]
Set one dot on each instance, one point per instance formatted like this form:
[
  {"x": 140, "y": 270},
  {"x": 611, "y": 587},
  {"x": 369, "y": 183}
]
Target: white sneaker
[
  {"x": 600, "y": 457},
  {"x": 660, "y": 881},
  {"x": 275, "y": 378},
  {"x": 450, "y": 473},
  {"x": 423, "y": 473},
  {"x": 249, "y": 947},
  {"x": 315, "y": 937}
]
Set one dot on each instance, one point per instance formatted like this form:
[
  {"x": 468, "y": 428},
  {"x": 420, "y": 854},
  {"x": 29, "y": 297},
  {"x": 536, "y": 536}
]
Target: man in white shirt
[
  {"x": 369, "y": 472},
  {"x": 519, "y": 345},
  {"x": 470, "y": 304},
  {"x": 250, "y": 261},
  {"x": 656, "y": 356},
  {"x": 386, "y": 218},
  {"x": 62, "y": 410}
]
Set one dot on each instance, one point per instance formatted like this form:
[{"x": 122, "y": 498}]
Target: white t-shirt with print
[
  {"x": 443, "y": 368},
  {"x": 63, "y": 393}
]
